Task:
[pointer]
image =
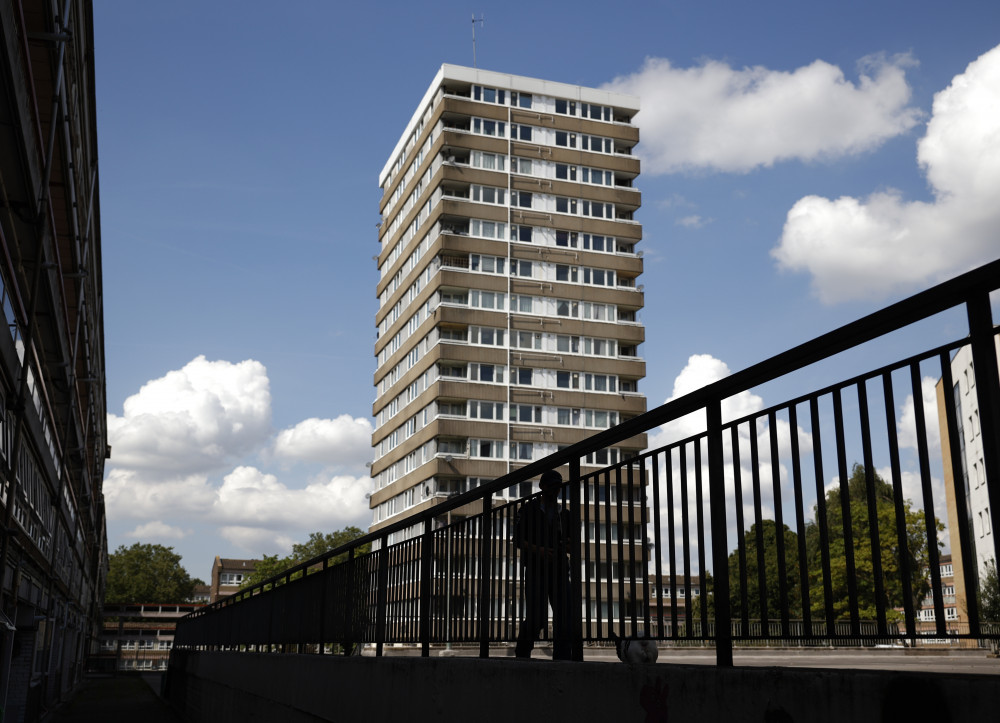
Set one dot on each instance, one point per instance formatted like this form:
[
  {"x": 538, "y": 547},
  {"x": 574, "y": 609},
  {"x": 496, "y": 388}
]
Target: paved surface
[
  {"x": 109, "y": 700},
  {"x": 976, "y": 662}
]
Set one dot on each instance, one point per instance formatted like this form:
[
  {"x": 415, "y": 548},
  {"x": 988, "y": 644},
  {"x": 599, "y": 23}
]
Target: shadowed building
[{"x": 53, "y": 436}]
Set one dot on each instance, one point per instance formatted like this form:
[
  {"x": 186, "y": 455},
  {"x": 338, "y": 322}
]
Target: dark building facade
[{"x": 53, "y": 436}]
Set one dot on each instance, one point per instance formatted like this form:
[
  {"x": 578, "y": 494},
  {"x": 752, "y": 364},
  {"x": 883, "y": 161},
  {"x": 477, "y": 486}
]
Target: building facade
[
  {"x": 973, "y": 470},
  {"x": 137, "y": 637},
  {"x": 228, "y": 575},
  {"x": 53, "y": 416},
  {"x": 508, "y": 289}
]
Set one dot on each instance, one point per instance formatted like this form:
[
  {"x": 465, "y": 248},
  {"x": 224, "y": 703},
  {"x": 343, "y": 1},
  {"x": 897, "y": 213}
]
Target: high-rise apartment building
[{"x": 508, "y": 286}]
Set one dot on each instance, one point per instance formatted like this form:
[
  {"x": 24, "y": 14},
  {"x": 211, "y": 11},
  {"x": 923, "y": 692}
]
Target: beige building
[
  {"x": 971, "y": 462},
  {"x": 508, "y": 286},
  {"x": 228, "y": 575}
]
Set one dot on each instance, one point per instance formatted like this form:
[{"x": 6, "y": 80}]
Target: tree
[
  {"x": 988, "y": 598},
  {"x": 915, "y": 551},
  {"x": 147, "y": 574},
  {"x": 768, "y": 534},
  {"x": 316, "y": 545}
]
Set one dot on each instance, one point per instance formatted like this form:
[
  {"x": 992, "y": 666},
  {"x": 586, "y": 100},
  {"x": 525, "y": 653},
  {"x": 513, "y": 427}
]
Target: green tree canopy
[
  {"x": 317, "y": 544},
  {"x": 146, "y": 573},
  {"x": 767, "y": 533},
  {"x": 891, "y": 553}
]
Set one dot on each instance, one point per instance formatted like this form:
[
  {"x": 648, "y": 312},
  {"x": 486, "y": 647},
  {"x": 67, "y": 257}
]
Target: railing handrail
[{"x": 942, "y": 297}]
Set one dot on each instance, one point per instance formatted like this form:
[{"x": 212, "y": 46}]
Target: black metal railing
[{"x": 818, "y": 521}]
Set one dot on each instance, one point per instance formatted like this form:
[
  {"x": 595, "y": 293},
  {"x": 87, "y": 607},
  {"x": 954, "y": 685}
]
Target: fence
[{"x": 824, "y": 512}]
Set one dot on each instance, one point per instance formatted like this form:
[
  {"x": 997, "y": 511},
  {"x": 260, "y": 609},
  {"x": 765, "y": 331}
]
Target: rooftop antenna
[{"x": 481, "y": 21}]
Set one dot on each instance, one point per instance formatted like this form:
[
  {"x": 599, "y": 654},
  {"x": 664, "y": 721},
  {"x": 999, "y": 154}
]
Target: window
[
  {"x": 520, "y": 267},
  {"x": 522, "y": 304},
  {"x": 568, "y": 344},
  {"x": 521, "y": 100},
  {"x": 231, "y": 578},
  {"x": 489, "y": 448},
  {"x": 566, "y": 273},
  {"x": 565, "y": 172},
  {"x": 521, "y": 233},
  {"x": 452, "y": 409},
  {"x": 488, "y": 161},
  {"x": 527, "y": 413},
  {"x": 487, "y": 264},
  {"x": 521, "y": 450},
  {"x": 567, "y": 140},
  {"x": 521, "y": 165},
  {"x": 567, "y": 239},
  {"x": 486, "y": 373},
  {"x": 486, "y": 127},
  {"x": 486, "y": 410},
  {"x": 487, "y": 229},
  {"x": 568, "y": 380},
  {"x": 599, "y": 382},
  {"x": 524, "y": 376},
  {"x": 488, "y": 194},
  {"x": 526, "y": 339},
  {"x": 521, "y": 199},
  {"x": 489, "y": 95},
  {"x": 520, "y": 132}
]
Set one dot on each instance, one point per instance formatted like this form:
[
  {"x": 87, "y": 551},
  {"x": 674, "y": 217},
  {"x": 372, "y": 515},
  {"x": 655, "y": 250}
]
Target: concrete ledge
[{"x": 207, "y": 687}]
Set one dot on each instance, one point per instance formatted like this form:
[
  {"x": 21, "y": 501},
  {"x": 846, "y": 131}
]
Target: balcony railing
[{"x": 811, "y": 522}]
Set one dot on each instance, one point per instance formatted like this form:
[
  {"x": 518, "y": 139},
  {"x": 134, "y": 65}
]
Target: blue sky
[{"x": 797, "y": 175}]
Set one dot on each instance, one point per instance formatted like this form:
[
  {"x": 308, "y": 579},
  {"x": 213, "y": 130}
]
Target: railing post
[
  {"x": 720, "y": 556},
  {"x": 984, "y": 362},
  {"x": 485, "y": 575},
  {"x": 426, "y": 572},
  {"x": 574, "y": 603},
  {"x": 382, "y": 596}
]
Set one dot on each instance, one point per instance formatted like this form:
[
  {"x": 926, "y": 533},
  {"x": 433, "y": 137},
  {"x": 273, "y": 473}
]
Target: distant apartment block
[
  {"x": 509, "y": 285},
  {"x": 228, "y": 575},
  {"x": 977, "y": 510}
]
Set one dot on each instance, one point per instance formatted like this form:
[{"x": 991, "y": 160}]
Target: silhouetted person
[{"x": 542, "y": 530}]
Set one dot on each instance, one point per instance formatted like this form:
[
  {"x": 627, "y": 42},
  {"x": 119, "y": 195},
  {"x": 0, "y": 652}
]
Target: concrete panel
[{"x": 233, "y": 686}]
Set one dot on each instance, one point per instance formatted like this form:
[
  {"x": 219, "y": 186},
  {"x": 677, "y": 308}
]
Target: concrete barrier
[{"x": 206, "y": 687}]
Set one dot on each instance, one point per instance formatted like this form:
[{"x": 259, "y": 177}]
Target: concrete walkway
[{"x": 119, "y": 698}]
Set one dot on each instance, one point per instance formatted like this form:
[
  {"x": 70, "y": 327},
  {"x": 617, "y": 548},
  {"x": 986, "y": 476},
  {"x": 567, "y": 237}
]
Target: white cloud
[
  {"x": 180, "y": 432},
  {"x": 907, "y": 427},
  {"x": 694, "y": 221},
  {"x": 700, "y": 371},
  {"x": 157, "y": 530},
  {"x": 882, "y": 245},
  {"x": 194, "y": 419},
  {"x": 132, "y": 494},
  {"x": 343, "y": 442},
  {"x": 719, "y": 118},
  {"x": 257, "y": 541},
  {"x": 251, "y": 497}
]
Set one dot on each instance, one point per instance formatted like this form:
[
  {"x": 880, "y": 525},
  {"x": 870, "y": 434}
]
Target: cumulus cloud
[
  {"x": 193, "y": 419},
  {"x": 132, "y": 494},
  {"x": 700, "y": 371},
  {"x": 907, "y": 427},
  {"x": 343, "y": 442},
  {"x": 719, "y": 118},
  {"x": 157, "y": 530},
  {"x": 882, "y": 245},
  {"x": 250, "y": 497},
  {"x": 181, "y": 433}
]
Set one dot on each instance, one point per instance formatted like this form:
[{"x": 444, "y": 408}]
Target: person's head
[{"x": 550, "y": 482}]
